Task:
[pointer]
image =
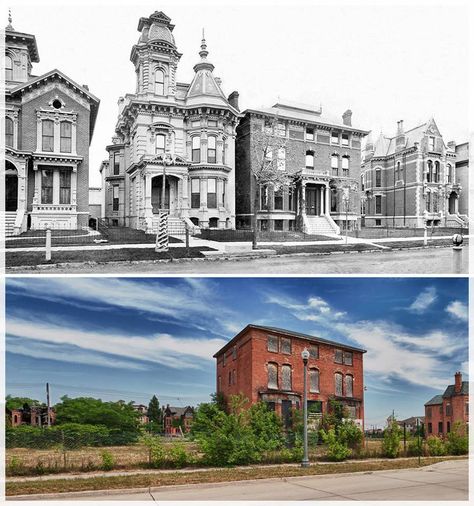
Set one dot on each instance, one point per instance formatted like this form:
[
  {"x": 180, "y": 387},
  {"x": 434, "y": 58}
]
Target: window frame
[
  {"x": 116, "y": 163},
  {"x": 159, "y": 85},
  {"x": 309, "y": 134},
  {"x": 286, "y": 382},
  {"x": 271, "y": 338},
  {"x": 272, "y": 384},
  {"x": 349, "y": 377},
  {"x": 212, "y": 196},
  {"x": 47, "y": 191},
  {"x": 212, "y": 152},
  {"x": 378, "y": 204},
  {"x": 314, "y": 370},
  {"x": 115, "y": 197},
  {"x": 8, "y": 68},
  {"x": 378, "y": 178},
  {"x": 196, "y": 151},
  {"x": 195, "y": 196},
  {"x": 337, "y": 375},
  {"x": 47, "y": 139},
  {"x": 65, "y": 189},
  {"x": 9, "y": 132},
  {"x": 65, "y": 142},
  {"x": 309, "y": 157},
  {"x": 286, "y": 340}
]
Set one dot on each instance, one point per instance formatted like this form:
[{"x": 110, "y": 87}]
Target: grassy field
[{"x": 207, "y": 476}]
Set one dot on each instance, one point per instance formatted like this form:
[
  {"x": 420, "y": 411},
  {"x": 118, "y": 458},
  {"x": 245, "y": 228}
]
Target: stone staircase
[
  {"x": 10, "y": 217},
  {"x": 320, "y": 225}
]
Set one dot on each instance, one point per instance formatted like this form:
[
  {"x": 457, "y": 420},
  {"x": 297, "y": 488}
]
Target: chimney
[
  {"x": 234, "y": 100},
  {"x": 452, "y": 145},
  {"x": 457, "y": 382},
  {"x": 347, "y": 118},
  {"x": 400, "y": 127},
  {"x": 85, "y": 87}
]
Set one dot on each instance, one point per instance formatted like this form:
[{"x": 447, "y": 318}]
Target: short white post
[
  {"x": 48, "y": 244},
  {"x": 425, "y": 237},
  {"x": 457, "y": 253}
]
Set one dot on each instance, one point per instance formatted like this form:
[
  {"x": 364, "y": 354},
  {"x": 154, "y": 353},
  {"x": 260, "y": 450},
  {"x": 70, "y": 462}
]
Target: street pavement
[
  {"x": 411, "y": 261},
  {"x": 444, "y": 481}
]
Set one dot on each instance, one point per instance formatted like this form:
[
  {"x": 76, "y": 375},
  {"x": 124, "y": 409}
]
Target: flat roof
[{"x": 288, "y": 333}]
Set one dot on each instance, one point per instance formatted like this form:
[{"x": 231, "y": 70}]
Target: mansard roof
[
  {"x": 11, "y": 35},
  {"x": 437, "y": 399},
  {"x": 449, "y": 392},
  {"x": 156, "y": 27},
  {"x": 56, "y": 74}
]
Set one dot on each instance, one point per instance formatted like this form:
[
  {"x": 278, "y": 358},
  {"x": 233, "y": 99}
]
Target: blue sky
[{"x": 130, "y": 338}]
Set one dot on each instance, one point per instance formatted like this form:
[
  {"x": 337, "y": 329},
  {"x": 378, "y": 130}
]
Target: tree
[
  {"x": 154, "y": 412},
  {"x": 20, "y": 402},
  {"x": 391, "y": 438},
  {"x": 86, "y": 410},
  {"x": 268, "y": 168}
]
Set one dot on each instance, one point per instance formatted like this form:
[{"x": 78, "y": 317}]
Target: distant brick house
[
  {"x": 143, "y": 411},
  {"x": 177, "y": 419},
  {"x": 36, "y": 416},
  {"x": 265, "y": 364},
  {"x": 411, "y": 423},
  {"x": 443, "y": 411}
]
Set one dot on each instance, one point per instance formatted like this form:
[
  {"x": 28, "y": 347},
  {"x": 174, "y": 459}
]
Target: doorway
[
  {"x": 11, "y": 187},
  {"x": 311, "y": 200}
]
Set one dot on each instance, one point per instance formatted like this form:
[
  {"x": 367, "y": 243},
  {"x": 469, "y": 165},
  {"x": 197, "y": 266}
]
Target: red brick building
[
  {"x": 443, "y": 411},
  {"x": 36, "y": 416},
  {"x": 265, "y": 364},
  {"x": 49, "y": 122},
  {"x": 177, "y": 419}
]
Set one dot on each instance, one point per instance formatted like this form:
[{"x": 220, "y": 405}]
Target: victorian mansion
[{"x": 173, "y": 148}]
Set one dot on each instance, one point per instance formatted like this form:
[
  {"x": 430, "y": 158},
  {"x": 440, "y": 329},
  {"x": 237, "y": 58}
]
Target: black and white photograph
[{"x": 235, "y": 251}]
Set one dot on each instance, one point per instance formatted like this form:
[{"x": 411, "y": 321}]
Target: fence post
[
  {"x": 48, "y": 244},
  {"x": 405, "y": 439},
  {"x": 64, "y": 450}
]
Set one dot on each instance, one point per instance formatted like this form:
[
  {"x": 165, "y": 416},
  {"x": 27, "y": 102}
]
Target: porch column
[
  {"x": 179, "y": 199},
  {"x": 327, "y": 201},
  {"x": 321, "y": 200},
  {"x": 74, "y": 186},
  {"x": 185, "y": 196},
  {"x": 148, "y": 206},
  {"x": 203, "y": 191},
  {"x": 303, "y": 198},
  {"x": 37, "y": 194}
]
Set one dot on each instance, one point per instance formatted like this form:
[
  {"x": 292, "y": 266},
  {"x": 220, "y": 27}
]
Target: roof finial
[
  {"x": 204, "y": 52},
  {"x": 9, "y": 18}
]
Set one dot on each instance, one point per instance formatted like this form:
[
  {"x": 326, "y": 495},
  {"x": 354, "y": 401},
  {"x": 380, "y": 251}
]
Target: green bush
[
  {"x": 177, "y": 455},
  {"x": 108, "y": 461},
  {"x": 457, "y": 440},
  {"x": 436, "y": 446},
  {"x": 15, "y": 466},
  {"x": 391, "y": 440},
  {"x": 337, "y": 450},
  {"x": 415, "y": 447},
  {"x": 156, "y": 451}
]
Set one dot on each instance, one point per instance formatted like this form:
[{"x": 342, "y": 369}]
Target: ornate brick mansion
[{"x": 173, "y": 148}]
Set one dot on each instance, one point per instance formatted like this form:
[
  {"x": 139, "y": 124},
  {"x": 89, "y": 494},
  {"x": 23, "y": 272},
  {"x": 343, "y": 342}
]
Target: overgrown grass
[{"x": 207, "y": 476}]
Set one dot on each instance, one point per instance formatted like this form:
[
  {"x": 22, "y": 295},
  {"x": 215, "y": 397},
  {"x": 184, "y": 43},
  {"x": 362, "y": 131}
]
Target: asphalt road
[
  {"x": 420, "y": 261},
  {"x": 445, "y": 481}
]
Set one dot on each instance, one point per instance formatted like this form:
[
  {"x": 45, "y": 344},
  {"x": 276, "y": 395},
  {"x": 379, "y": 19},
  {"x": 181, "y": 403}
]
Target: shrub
[
  {"x": 156, "y": 452},
  {"x": 415, "y": 447},
  {"x": 177, "y": 455},
  {"x": 108, "y": 461},
  {"x": 337, "y": 449},
  {"x": 15, "y": 466},
  {"x": 457, "y": 440},
  {"x": 391, "y": 440},
  {"x": 436, "y": 446}
]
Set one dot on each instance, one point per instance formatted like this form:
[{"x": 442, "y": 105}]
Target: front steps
[
  {"x": 10, "y": 217},
  {"x": 319, "y": 225}
]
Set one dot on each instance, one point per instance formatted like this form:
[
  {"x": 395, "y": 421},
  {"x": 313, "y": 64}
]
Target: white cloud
[
  {"x": 458, "y": 309},
  {"x": 160, "y": 348},
  {"x": 424, "y": 300}
]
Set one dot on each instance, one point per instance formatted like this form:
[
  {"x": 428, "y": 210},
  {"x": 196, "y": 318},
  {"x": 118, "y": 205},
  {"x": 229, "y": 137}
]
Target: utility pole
[{"x": 48, "y": 402}]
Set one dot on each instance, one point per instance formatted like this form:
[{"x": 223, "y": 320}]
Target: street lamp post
[{"x": 305, "y": 357}]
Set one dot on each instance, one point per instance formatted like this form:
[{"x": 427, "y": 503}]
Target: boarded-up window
[
  {"x": 338, "y": 356},
  {"x": 314, "y": 351},
  {"x": 351, "y": 411},
  {"x": 349, "y": 382},
  {"x": 272, "y": 343},
  {"x": 313, "y": 380},
  {"x": 348, "y": 357},
  {"x": 285, "y": 344},
  {"x": 272, "y": 375},
  {"x": 286, "y": 377},
  {"x": 338, "y": 384}
]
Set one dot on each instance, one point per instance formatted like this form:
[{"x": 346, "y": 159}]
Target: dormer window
[
  {"x": 160, "y": 144},
  {"x": 8, "y": 68},
  {"x": 159, "y": 82}
]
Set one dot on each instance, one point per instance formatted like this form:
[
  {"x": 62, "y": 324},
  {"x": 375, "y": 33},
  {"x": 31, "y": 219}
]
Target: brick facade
[
  {"x": 443, "y": 411},
  {"x": 171, "y": 416},
  {"x": 244, "y": 366},
  {"x": 49, "y": 125},
  {"x": 410, "y": 180},
  {"x": 319, "y": 186}
]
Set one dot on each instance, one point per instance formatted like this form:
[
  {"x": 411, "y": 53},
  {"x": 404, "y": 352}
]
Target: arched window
[
  {"x": 349, "y": 382},
  {"x": 429, "y": 173},
  {"x": 450, "y": 173},
  {"x": 345, "y": 166},
  {"x": 160, "y": 144},
  {"x": 196, "y": 151},
  {"x": 48, "y": 135},
  {"x": 333, "y": 200},
  {"x": 159, "y": 82},
  {"x": 335, "y": 165},
  {"x": 436, "y": 172},
  {"x": 338, "y": 384},
  {"x": 272, "y": 375},
  {"x": 211, "y": 149},
  {"x": 9, "y": 132},
  {"x": 65, "y": 133},
  {"x": 310, "y": 159},
  {"x": 286, "y": 377},
  {"x": 313, "y": 380},
  {"x": 8, "y": 68},
  {"x": 378, "y": 178}
]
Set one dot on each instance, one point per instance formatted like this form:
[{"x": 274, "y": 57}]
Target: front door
[
  {"x": 11, "y": 192},
  {"x": 311, "y": 200},
  {"x": 156, "y": 194},
  {"x": 286, "y": 413}
]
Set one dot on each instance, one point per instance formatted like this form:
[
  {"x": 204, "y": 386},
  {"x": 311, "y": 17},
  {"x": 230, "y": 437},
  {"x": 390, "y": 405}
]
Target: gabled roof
[
  {"x": 449, "y": 392},
  {"x": 57, "y": 74},
  {"x": 437, "y": 399},
  {"x": 290, "y": 333}
]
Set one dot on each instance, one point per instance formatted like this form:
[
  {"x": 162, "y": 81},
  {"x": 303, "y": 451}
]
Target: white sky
[{"x": 384, "y": 62}]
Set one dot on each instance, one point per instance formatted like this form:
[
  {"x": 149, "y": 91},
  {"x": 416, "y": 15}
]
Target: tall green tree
[
  {"x": 154, "y": 412},
  {"x": 20, "y": 402}
]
